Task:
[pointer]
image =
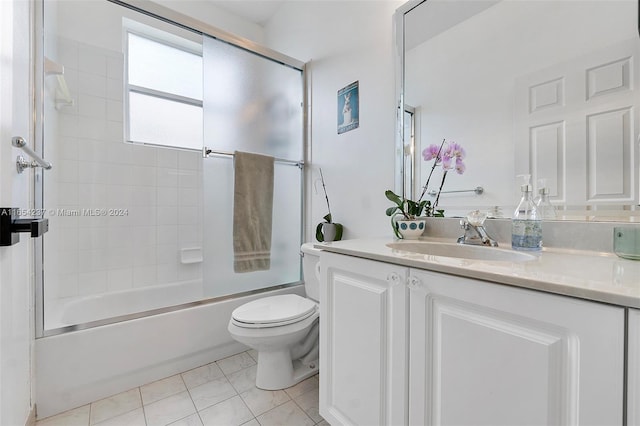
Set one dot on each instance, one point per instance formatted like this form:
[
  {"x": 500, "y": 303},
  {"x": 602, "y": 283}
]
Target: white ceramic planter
[{"x": 411, "y": 229}]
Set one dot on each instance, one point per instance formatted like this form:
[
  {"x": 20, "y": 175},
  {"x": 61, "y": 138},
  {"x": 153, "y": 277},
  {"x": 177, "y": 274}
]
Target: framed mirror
[{"x": 543, "y": 88}]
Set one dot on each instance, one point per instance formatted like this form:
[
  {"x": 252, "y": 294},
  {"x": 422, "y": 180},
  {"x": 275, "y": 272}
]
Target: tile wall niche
[{"x": 94, "y": 168}]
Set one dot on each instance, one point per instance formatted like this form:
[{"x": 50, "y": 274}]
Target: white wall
[
  {"x": 16, "y": 285},
  {"x": 207, "y": 11},
  {"x": 346, "y": 41}
]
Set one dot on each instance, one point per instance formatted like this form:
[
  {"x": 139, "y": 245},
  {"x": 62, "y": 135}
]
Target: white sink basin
[{"x": 462, "y": 251}]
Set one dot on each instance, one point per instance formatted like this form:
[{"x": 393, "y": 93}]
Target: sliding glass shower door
[
  {"x": 251, "y": 104},
  {"x": 139, "y": 220}
]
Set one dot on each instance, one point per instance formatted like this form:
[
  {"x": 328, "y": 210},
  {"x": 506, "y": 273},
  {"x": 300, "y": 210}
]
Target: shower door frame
[{"x": 178, "y": 19}]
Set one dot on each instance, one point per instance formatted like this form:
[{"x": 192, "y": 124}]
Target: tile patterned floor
[{"x": 218, "y": 394}]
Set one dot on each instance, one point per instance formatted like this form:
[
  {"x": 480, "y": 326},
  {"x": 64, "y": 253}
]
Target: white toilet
[{"x": 283, "y": 329}]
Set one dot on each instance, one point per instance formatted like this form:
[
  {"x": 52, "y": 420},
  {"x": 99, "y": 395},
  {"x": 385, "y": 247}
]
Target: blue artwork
[{"x": 348, "y": 108}]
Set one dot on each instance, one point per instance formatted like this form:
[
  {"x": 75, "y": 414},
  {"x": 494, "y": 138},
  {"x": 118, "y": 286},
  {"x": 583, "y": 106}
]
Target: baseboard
[{"x": 31, "y": 420}]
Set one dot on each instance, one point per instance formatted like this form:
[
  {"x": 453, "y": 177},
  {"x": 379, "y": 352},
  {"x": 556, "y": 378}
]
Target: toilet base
[{"x": 277, "y": 371}]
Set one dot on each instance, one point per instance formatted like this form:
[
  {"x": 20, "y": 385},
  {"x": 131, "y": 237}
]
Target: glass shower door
[{"x": 252, "y": 104}]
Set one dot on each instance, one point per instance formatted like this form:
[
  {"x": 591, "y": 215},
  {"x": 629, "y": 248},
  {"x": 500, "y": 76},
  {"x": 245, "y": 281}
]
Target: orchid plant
[{"x": 450, "y": 156}]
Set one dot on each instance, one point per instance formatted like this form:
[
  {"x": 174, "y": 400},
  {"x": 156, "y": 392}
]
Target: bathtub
[
  {"x": 86, "y": 309},
  {"x": 76, "y": 368}
]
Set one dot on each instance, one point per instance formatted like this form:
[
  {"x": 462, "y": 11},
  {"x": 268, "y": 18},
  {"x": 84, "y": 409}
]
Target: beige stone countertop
[{"x": 598, "y": 276}]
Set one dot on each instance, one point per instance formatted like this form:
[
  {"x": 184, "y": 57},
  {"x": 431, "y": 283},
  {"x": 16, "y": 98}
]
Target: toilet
[{"x": 283, "y": 329}]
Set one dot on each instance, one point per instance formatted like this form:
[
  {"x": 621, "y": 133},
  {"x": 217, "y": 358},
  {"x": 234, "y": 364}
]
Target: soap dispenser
[
  {"x": 543, "y": 204},
  {"x": 526, "y": 225}
]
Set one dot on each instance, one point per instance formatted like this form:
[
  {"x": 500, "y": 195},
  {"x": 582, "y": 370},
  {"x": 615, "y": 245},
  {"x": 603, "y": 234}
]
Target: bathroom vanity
[{"x": 409, "y": 337}]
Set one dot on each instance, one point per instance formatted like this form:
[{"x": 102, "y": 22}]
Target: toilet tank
[{"x": 311, "y": 270}]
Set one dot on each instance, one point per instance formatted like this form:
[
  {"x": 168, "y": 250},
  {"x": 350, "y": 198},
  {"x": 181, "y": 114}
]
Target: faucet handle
[
  {"x": 476, "y": 218},
  {"x": 464, "y": 224}
]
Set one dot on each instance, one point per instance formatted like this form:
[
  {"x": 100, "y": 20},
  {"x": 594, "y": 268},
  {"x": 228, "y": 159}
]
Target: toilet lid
[{"x": 274, "y": 309}]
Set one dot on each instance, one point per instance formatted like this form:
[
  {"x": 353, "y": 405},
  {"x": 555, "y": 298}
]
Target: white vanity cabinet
[
  {"x": 489, "y": 354},
  {"x": 633, "y": 369},
  {"x": 363, "y": 331},
  {"x": 405, "y": 346}
]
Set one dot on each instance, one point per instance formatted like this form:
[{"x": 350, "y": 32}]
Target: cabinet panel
[
  {"x": 489, "y": 354},
  {"x": 633, "y": 369},
  {"x": 362, "y": 342}
]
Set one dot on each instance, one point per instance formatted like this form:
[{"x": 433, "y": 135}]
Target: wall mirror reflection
[{"x": 545, "y": 88}]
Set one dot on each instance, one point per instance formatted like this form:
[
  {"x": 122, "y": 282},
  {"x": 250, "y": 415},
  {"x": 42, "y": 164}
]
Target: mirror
[{"x": 546, "y": 88}]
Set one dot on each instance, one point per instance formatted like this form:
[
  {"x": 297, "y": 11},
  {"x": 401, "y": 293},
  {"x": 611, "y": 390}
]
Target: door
[
  {"x": 16, "y": 288},
  {"x": 576, "y": 125},
  {"x": 488, "y": 354}
]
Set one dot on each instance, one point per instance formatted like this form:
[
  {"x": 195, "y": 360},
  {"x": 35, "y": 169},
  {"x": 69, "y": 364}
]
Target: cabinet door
[
  {"x": 363, "y": 347},
  {"x": 489, "y": 354},
  {"x": 633, "y": 369}
]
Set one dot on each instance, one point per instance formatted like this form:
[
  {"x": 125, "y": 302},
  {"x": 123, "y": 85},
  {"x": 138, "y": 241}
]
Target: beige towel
[{"x": 252, "y": 212}]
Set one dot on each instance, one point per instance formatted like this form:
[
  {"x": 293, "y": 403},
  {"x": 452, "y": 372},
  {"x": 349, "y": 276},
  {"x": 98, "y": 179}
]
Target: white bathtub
[
  {"x": 85, "y": 309},
  {"x": 75, "y": 368}
]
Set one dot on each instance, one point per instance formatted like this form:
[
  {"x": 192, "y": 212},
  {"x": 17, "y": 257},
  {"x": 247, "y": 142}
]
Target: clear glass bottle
[
  {"x": 544, "y": 206},
  {"x": 526, "y": 224}
]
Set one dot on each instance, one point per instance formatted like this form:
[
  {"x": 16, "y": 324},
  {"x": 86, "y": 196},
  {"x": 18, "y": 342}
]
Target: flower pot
[
  {"x": 329, "y": 231},
  {"x": 411, "y": 229}
]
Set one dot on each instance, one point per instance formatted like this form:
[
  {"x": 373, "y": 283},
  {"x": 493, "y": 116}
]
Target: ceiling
[{"x": 256, "y": 11}]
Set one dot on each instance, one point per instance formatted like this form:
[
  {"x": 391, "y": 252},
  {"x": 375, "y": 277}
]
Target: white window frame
[{"x": 167, "y": 39}]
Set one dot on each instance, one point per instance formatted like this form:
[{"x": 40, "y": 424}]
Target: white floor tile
[
  {"x": 285, "y": 414},
  {"x": 309, "y": 402},
  {"x": 235, "y": 363},
  {"x": 192, "y": 420},
  {"x": 115, "y": 405},
  {"x": 219, "y": 393},
  {"x": 161, "y": 389},
  {"x": 253, "y": 354},
  {"x": 76, "y": 417},
  {"x": 168, "y": 410},
  {"x": 212, "y": 393},
  {"x": 132, "y": 418},
  {"x": 244, "y": 380},
  {"x": 260, "y": 401},
  {"x": 232, "y": 412},
  {"x": 201, "y": 375},
  {"x": 304, "y": 386}
]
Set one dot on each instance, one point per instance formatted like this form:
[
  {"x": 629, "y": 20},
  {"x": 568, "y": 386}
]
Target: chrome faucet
[{"x": 474, "y": 232}]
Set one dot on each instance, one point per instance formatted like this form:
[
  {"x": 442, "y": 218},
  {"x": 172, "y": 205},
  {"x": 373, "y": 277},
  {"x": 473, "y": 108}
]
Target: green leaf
[
  {"x": 327, "y": 217},
  {"x": 394, "y": 226},
  {"x": 319, "y": 235},
  {"x": 339, "y": 230},
  {"x": 391, "y": 211},
  {"x": 393, "y": 197},
  {"x": 439, "y": 213}
]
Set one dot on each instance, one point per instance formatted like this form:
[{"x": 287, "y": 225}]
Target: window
[{"x": 164, "y": 91}]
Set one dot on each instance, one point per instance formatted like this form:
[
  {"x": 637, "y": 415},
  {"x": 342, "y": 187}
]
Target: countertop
[{"x": 598, "y": 276}]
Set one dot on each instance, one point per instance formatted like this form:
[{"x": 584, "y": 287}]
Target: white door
[
  {"x": 576, "y": 124},
  {"x": 16, "y": 289},
  {"x": 363, "y": 369},
  {"x": 489, "y": 354}
]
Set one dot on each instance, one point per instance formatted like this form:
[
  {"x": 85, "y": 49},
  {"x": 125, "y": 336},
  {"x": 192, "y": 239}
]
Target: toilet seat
[{"x": 274, "y": 311}]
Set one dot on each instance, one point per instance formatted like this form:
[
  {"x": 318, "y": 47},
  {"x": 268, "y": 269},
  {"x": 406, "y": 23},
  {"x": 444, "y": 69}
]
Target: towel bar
[
  {"x": 207, "y": 152},
  {"x": 478, "y": 190},
  {"x": 21, "y": 162}
]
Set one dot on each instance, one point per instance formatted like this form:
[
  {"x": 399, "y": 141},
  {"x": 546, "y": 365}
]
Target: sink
[{"x": 462, "y": 251}]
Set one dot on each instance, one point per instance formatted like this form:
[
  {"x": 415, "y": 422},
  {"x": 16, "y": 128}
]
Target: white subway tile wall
[{"x": 153, "y": 193}]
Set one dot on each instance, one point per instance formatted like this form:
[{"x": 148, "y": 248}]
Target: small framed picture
[{"x": 348, "y": 108}]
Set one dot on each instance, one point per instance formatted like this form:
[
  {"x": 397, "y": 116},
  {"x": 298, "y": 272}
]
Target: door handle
[{"x": 11, "y": 226}]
